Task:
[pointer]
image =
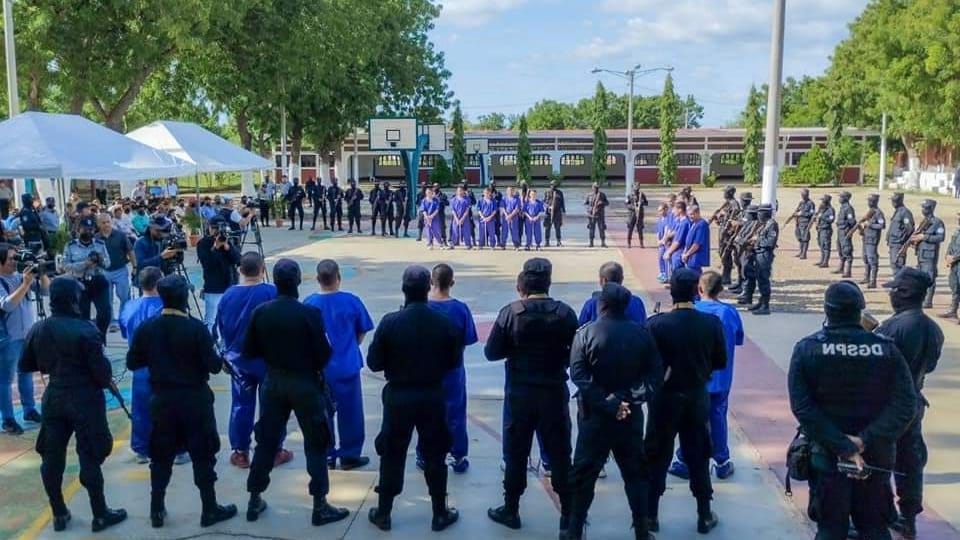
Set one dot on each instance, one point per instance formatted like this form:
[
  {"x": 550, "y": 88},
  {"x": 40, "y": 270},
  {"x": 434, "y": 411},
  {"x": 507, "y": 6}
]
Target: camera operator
[
  {"x": 219, "y": 259},
  {"x": 120, "y": 253},
  {"x": 30, "y": 223},
  {"x": 86, "y": 259},
  {"x": 149, "y": 249},
  {"x": 18, "y": 317}
]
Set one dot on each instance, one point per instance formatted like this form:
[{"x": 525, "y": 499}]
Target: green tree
[
  {"x": 459, "y": 145},
  {"x": 441, "y": 173},
  {"x": 601, "y": 107},
  {"x": 669, "y": 110},
  {"x": 524, "y": 152},
  {"x": 492, "y": 122},
  {"x": 550, "y": 114},
  {"x": 814, "y": 168},
  {"x": 753, "y": 140}
]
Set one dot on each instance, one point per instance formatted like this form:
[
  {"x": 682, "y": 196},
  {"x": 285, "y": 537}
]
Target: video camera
[
  {"x": 176, "y": 240},
  {"x": 38, "y": 264}
]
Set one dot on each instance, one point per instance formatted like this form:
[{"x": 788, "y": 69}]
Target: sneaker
[
  {"x": 141, "y": 459},
  {"x": 679, "y": 469},
  {"x": 11, "y": 427},
  {"x": 240, "y": 459},
  {"x": 114, "y": 328},
  {"x": 32, "y": 416},
  {"x": 283, "y": 456},
  {"x": 181, "y": 459},
  {"x": 724, "y": 470},
  {"x": 459, "y": 465}
]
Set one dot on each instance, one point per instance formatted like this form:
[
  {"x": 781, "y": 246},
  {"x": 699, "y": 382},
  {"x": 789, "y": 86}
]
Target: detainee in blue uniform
[
  {"x": 663, "y": 227},
  {"x": 461, "y": 223},
  {"x": 347, "y": 322},
  {"x": 612, "y": 272},
  {"x": 249, "y": 374},
  {"x": 681, "y": 225},
  {"x": 135, "y": 312},
  {"x": 696, "y": 244},
  {"x": 533, "y": 209},
  {"x": 430, "y": 210},
  {"x": 721, "y": 380},
  {"x": 488, "y": 208},
  {"x": 512, "y": 206},
  {"x": 455, "y": 381}
]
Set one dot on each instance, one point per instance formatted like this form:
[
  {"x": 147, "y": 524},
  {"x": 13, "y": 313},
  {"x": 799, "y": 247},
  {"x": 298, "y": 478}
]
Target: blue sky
[{"x": 507, "y": 54}]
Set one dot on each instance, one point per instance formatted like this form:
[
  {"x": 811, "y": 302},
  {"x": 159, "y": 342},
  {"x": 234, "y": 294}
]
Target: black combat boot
[
  {"x": 952, "y": 312},
  {"x": 842, "y": 268},
  {"x": 848, "y": 273},
  {"x": 706, "y": 519},
  {"x": 214, "y": 513},
  {"x": 764, "y": 308},
  {"x": 380, "y": 514},
  {"x": 324, "y": 512},
  {"x": 507, "y": 515},
  {"x": 103, "y": 516},
  {"x": 60, "y": 521},
  {"x": 443, "y": 515},
  {"x": 906, "y": 526},
  {"x": 255, "y": 507},
  {"x": 873, "y": 277},
  {"x": 158, "y": 510}
]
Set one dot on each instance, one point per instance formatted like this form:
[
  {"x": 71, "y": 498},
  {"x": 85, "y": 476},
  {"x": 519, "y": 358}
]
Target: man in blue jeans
[
  {"x": 721, "y": 381},
  {"x": 219, "y": 260},
  {"x": 120, "y": 250},
  {"x": 17, "y": 318}
]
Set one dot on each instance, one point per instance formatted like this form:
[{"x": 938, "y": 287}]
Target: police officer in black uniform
[
  {"x": 319, "y": 203},
  {"x": 846, "y": 220},
  {"x": 294, "y": 198},
  {"x": 31, "y": 225},
  {"x": 825, "y": 217},
  {"x": 920, "y": 340},
  {"x": 353, "y": 196},
  {"x": 635, "y": 205},
  {"x": 616, "y": 366},
  {"x": 415, "y": 348},
  {"x": 181, "y": 408},
  {"x": 468, "y": 193},
  {"x": 803, "y": 216},
  {"x": 379, "y": 201},
  {"x": 596, "y": 204},
  {"x": 444, "y": 203},
  {"x": 67, "y": 348},
  {"x": 498, "y": 198},
  {"x": 334, "y": 196},
  {"x": 748, "y": 257},
  {"x": 727, "y": 221},
  {"x": 386, "y": 218},
  {"x": 852, "y": 393},
  {"x": 733, "y": 252},
  {"x": 901, "y": 228},
  {"x": 929, "y": 235},
  {"x": 291, "y": 339},
  {"x": 421, "y": 195},
  {"x": 534, "y": 335},
  {"x": 872, "y": 229},
  {"x": 764, "y": 251},
  {"x": 692, "y": 347},
  {"x": 553, "y": 202},
  {"x": 399, "y": 204}
]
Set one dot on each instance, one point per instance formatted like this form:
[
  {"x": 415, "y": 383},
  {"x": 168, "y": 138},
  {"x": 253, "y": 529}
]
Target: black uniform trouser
[
  {"x": 400, "y": 218},
  {"x": 443, "y": 225},
  {"x": 184, "y": 418},
  {"x": 377, "y": 213},
  {"x": 265, "y": 213},
  {"x": 750, "y": 274},
  {"x": 597, "y": 223},
  {"x": 911, "y": 459},
  {"x": 634, "y": 224},
  {"x": 844, "y": 245},
  {"x": 295, "y": 209},
  {"x": 764, "y": 271},
  {"x": 836, "y": 500},
  {"x": 871, "y": 259},
  {"x": 929, "y": 266},
  {"x": 548, "y": 223},
  {"x": 687, "y": 415},
  {"x": 307, "y": 397},
  {"x": 726, "y": 261},
  {"x": 543, "y": 410},
  {"x": 825, "y": 242},
  {"x": 406, "y": 409},
  {"x": 897, "y": 261},
  {"x": 96, "y": 292},
  {"x": 319, "y": 206},
  {"x": 336, "y": 212},
  {"x": 353, "y": 217},
  {"x": 79, "y": 411},
  {"x": 599, "y": 435}
]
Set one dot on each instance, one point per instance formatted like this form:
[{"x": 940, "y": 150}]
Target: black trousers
[
  {"x": 687, "y": 415},
  {"x": 68, "y": 412},
  {"x": 911, "y": 459},
  {"x": 406, "y": 409},
  {"x": 550, "y": 223},
  {"x": 296, "y": 209},
  {"x": 597, "y": 223},
  {"x": 837, "y": 500},
  {"x": 265, "y": 213},
  {"x": 336, "y": 212},
  {"x": 319, "y": 205},
  {"x": 353, "y": 217},
  {"x": 307, "y": 397},
  {"x": 183, "y": 418},
  {"x": 97, "y": 293},
  {"x": 635, "y": 223},
  {"x": 599, "y": 435},
  {"x": 543, "y": 411}
]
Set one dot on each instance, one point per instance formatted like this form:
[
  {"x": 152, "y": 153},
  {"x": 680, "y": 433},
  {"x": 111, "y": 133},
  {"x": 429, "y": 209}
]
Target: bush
[
  {"x": 441, "y": 173},
  {"x": 709, "y": 180},
  {"x": 815, "y": 168}
]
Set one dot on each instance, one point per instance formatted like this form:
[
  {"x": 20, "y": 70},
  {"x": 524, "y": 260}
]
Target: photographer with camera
[
  {"x": 120, "y": 252},
  {"x": 16, "y": 318},
  {"x": 86, "y": 259},
  {"x": 152, "y": 248},
  {"x": 219, "y": 259}
]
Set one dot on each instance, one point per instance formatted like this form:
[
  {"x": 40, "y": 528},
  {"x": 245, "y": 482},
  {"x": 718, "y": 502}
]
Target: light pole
[
  {"x": 771, "y": 149},
  {"x": 13, "y": 97},
  {"x": 630, "y": 75},
  {"x": 883, "y": 151}
]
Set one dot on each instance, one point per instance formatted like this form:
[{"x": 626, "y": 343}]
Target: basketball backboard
[
  {"x": 393, "y": 134},
  {"x": 438, "y": 137},
  {"x": 477, "y": 146}
]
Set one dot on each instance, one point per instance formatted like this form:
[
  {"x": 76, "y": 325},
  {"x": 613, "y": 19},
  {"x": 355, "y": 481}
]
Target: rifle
[
  {"x": 795, "y": 213},
  {"x": 862, "y": 222},
  {"x": 733, "y": 239},
  {"x": 850, "y": 469},
  {"x": 922, "y": 229},
  {"x": 553, "y": 203},
  {"x": 115, "y": 392},
  {"x": 716, "y": 214},
  {"x": 595, "y": 208}
]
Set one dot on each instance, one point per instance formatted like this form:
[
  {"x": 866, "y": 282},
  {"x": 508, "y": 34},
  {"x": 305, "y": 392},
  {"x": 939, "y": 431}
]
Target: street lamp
[{"x": 630, "y": 75}]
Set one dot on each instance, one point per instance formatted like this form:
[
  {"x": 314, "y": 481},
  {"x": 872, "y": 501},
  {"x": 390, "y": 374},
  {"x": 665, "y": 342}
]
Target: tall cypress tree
[
  {"x": 524, "y": 152},
  {"x": 753, "y": 122},
  {"x": 459, "y": 171},
  {"x": 669, "y": 111},
  {"x": 598, "y": 173}
]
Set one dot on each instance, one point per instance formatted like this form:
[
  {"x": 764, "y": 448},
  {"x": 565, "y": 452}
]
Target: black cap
[
  {"x": 765, "y": 208},
  {"x": 173, "y": 291},
  {"x": 286, "y": 272},
  {"x": 845, "y": 195},
  {"x": 683, "y": 285},
  {"x": 826, "y": 197},
  {"x": 82, "y": 204},
  {"x": 51, "y": 200},
  {"x": 87, "y": 223},
  {"x": 730, "y": 189},
  {"x": 65, "y": 292},
  {"x": 538, "y": 266},
  {"x": 416, "y": 277},
  {"x": 898, "y": 197},
  {"x": 873, "y": 197},
  {"x": 910, "y": 280},
  {"x": 613, "y": 299},
  {"x": 843, "y": 299},
  {"x": 160, "y": 223},
  {"x": 752, "y": 209},
  {"x": 928, "y": 203},
  {"x": 747, "y": 196}
]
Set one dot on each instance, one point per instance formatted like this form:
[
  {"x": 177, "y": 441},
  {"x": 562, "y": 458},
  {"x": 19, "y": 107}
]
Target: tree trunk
[
  {"x": 35, "y": 96},
  {"x": 296, "y": 145},
  {"x": 243, "y": 130},
  {"x": 913, "y": 157},
  {"x": 76, "y": 104}
]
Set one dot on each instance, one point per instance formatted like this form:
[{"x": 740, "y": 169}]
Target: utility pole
[
  {"x": 13, "y": 97},
  {"x": 883, "y": 151},
  {"x": 771, "y": 149}
]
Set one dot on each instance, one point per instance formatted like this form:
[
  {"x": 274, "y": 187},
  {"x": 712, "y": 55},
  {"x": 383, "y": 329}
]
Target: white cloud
[{"x": 474, "y": 13}]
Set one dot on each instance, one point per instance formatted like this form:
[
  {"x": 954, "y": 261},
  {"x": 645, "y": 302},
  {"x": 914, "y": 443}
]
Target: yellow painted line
[{"x": 40, "y": 523}]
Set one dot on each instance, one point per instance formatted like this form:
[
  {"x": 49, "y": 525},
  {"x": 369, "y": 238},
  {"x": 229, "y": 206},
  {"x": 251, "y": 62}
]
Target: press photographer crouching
[
  {"x": 17, "y": 278},
  {"x": 156, "y": 249},
  {"x": 86, "y": 259},
  {"x": 219, "y": 258}
]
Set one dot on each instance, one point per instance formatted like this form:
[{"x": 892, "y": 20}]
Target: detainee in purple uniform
[
  {"x": 455, "y": 382},
  {"x": 430, "y": 210},
  {"x": 681, "y": 226},
  {"x": 460, "y": 229},
  {"x": 487, "y": 209},
  {"x": 533, "y": 210},
  {"x": 512, "y": 206},
  {"x": 696, "y": 244},
  {"x": 663, "y": 228}
]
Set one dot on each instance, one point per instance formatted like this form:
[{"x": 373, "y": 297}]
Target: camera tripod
[
  {"x": 38, "y": 299},
  {"x": 257, "y": 240}
]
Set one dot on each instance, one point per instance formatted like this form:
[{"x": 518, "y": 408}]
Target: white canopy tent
[
  {"x": 64, "y": 146},
  {"x": 207, "y": 151}
]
